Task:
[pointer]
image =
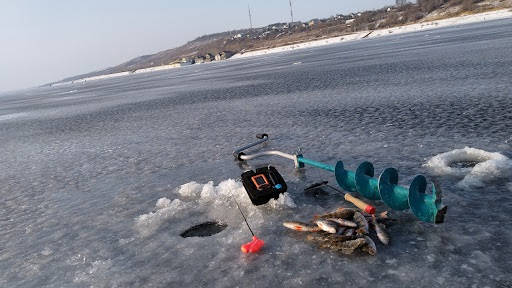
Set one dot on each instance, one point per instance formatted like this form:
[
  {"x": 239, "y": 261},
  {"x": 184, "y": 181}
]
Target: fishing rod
[{"x": 256, "y": 243}]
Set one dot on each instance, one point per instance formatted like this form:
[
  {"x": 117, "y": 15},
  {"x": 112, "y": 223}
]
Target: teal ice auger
[{"x": 426, "y": 207}]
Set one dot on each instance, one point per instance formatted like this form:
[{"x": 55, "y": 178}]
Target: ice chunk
[
  {"x": 227, "y": 187},
  {"x": 488, "y": 167},
  {"x": 208, "y": 192},
  {"x": 162, "y": 203},
  {"x": 283, "y": 201},
  {"x": 190, "y": 189}
]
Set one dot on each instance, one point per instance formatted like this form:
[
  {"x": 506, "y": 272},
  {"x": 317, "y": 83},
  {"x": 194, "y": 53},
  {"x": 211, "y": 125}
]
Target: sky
[{"x": 45, "y": 41}]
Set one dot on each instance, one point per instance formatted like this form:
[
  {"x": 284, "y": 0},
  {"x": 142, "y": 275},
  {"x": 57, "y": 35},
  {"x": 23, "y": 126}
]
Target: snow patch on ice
[
  {"x": 207, "y": 196},
  {"x": 67, "y": 92},
  {"x": 46, "y": 251},
  {"x": 77, "y": 260},
  {"x": 12, "y": 116},
  {"x": 98, "y": 271},
  {"x": 124, "y": 241},
  {"x": 283, "y": 201},
  {"x": 146, "y": 224},
  {"x": 490, "y": 166}
]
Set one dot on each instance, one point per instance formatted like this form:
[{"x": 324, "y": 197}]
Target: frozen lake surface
[{"x": 83, "y": 167}]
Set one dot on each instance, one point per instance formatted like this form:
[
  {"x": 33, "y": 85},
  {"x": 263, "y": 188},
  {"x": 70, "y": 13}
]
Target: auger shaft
[{"x": 314, "y": 163}]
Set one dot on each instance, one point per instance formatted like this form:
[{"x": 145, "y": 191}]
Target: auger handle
[
  {"x": 238, "y": 152},
  {"x": 360, "y": 204}
]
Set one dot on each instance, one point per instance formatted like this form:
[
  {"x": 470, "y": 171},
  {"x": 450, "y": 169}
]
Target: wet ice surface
[{"x": 91, "y": 174}]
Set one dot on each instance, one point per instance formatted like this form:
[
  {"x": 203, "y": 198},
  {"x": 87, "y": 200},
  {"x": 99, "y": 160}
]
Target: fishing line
[{"x": 245, "y": 219}]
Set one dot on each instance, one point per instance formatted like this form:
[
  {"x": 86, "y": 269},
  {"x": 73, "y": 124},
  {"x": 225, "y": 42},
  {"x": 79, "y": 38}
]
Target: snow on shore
[
  {"x": 114, "y": 75},
  {"x": 487, "y": 16}
]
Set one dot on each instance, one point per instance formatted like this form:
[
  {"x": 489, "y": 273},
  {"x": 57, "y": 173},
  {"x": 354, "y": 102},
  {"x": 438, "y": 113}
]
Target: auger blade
[
  {"x": 393, "y": 195},
  {"x": 344, "y": 178},
  {"x": 426, "y": 207},
  {"x": 365, "y": 183}
]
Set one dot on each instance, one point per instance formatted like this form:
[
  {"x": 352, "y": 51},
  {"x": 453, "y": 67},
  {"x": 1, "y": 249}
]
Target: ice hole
[{"x": 204, "y": 229}]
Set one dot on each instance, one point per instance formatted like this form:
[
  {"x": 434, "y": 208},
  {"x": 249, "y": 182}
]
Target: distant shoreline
[{"x": 420, "y": 26}]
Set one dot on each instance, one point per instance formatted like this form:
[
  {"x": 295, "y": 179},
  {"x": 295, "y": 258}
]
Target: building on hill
[
  {"x": 313, "y": 22},
  {"x": 237, "y": 36},
  {"x": 179, "y": 63},
  {"x": 223, "y": 55},
  {"x": 199, "y": 59},
  {"x": 295, "y": 24},
  {"x": 209, "y": 57}
]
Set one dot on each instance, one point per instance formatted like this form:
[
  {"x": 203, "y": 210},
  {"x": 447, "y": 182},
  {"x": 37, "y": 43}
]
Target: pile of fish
[{"x": 345, "y": 230}]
